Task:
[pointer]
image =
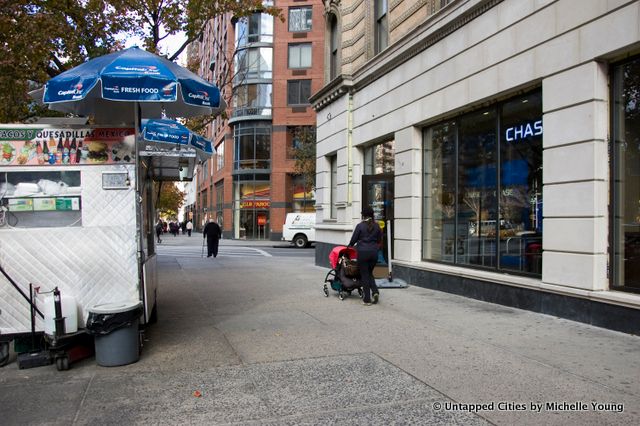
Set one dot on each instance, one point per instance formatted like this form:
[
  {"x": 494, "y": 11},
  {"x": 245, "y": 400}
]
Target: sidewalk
[
  {"x": 254, "y": 341},
  {"x": 196, "y": 239}
]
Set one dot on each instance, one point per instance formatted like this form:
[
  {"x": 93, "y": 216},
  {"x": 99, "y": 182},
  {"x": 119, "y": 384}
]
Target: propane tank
[{"x": 62, "y": 308}]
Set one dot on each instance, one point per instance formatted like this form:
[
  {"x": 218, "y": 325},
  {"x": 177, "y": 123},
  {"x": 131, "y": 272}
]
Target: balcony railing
[{"x": 255, "y": 113}]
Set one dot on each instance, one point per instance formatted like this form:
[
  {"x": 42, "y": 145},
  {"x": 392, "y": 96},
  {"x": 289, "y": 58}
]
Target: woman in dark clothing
[{"x": 366, "y": 238}]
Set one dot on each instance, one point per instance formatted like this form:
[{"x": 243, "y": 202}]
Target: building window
[
  {"x": 626, "y": 177},
  {"x": 333, "y": 195},
  {"x": 300, "y": 55},
  {"x": 252, "y": 148},
  {"x": 220, "y": 204},
  {"x": 252, "y": 200},
  {"x": 298, "y": 92},
  {"x": 482, "y": 199},
  {"x": 301, "y": 138},
  {"x": 220, "y": 156},
  {"x": 253, "y": 64},
  {"x": 257, "y": 28},
  {"x": 379, "y": 159},
  {"x": 253, "y": 99},
  {"x": 334, "y": 43},
  {"x": 300, "y": 19},
  {"x": 381, "y": 26},
  {"x": 303, "y": 195}
]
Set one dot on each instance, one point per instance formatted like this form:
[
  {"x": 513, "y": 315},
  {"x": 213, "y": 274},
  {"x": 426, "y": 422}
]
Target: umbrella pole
[{"x": 140, "y": 228}]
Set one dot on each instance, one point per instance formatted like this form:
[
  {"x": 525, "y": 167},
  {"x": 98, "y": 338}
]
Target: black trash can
[{"x": 115, "y": 327}]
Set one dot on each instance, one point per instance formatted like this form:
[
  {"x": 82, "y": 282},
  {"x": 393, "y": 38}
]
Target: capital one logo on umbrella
[
  {"x": 76, "y": 91},
  {"x": 201, "y": 96},
  {"x": 150, "y": 69}
]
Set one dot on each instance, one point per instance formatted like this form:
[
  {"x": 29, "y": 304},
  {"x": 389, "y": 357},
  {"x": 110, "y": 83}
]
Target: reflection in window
[
  {"x": 382, "y": 26},
  {"x": 334, "y": 43},
  {"x": 482, "y": 198},
  {"x": 333, "y": 164},
  {"x": 300, "y": 55},
  {"x": 379, "y": 159},
  {"x": 626, "y": 173},
  {"x": 303, "y": 195},
  {"x": 220, "y": 156},
  {"x": 300, "y": 19},
  {"x": 477, "y": 203},
  {"x": 253, "y": 64},
  {"x": 220, "y": 204},
  {"x": 252, "y": 146},
  {"x": 440, "y": 192},
  {"x": 253, "y": 29},
  {"x": 298, "y": 92}
]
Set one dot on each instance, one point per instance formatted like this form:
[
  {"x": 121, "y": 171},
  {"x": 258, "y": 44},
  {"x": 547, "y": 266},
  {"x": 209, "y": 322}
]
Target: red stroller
[{"x": 345, "y": 275}]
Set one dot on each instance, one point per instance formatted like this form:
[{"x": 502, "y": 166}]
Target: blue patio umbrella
[
  {"x": 168, "y": 134},
  {"x": 111, "y": 86}
]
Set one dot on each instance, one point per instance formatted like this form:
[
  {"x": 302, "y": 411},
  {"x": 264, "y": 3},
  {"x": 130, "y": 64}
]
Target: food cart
[{"x": 77, "y": 214}]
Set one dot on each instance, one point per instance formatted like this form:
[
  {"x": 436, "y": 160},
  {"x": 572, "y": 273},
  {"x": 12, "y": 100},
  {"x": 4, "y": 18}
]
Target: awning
[{"x": 166, "y": 165}]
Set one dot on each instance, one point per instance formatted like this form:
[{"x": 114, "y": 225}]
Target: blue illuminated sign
[{"x": 523, "y": 131}]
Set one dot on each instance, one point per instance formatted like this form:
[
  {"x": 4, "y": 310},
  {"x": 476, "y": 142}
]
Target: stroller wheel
[
  {"x": 326, "y": 291},
  {"x": 331, "y": 275},
  {"x": 341, "y": 295}
]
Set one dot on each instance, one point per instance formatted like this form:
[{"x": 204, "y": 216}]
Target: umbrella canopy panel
[{"x": 110, "y": 87}]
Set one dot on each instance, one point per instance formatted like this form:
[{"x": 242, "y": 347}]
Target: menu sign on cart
[{"x": 66, "y": 147}]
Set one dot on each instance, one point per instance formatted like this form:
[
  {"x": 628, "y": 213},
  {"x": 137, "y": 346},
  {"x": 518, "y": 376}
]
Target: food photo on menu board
[{"x": 49, "y": 147}]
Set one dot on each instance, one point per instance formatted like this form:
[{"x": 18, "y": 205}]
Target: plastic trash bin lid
[{"x": 115, "y": 307}]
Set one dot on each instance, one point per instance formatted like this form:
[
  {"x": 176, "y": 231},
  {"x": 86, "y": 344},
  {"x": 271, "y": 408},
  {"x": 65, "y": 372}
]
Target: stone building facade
[{"x": 498, "y": 139}]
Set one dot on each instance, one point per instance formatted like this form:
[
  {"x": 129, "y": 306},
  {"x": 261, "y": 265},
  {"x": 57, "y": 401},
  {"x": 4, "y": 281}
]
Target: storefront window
[
  {"x": 252, "y": 201},
  {"x": 252, "y": 146},
  {"x": 482, "y": 197},
  {"x": 440, "y": 192},
  {"x": 220, "y": 204},
  {"x": 626, "y": 176}
]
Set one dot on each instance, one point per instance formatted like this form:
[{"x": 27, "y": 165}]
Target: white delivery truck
[{"x": 300, "y": 229}]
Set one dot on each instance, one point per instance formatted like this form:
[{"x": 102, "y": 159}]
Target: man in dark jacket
[{"x": 212, "y": 233}]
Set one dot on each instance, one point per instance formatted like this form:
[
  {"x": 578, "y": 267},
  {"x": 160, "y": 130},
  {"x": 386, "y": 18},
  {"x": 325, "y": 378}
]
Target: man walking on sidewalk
[
  {"x": 189, "y": 227},
  {"x": 212, "y": 233}
]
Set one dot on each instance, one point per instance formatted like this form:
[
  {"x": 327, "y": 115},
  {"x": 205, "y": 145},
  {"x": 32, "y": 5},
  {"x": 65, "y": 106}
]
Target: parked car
[{"x": 300, "y": 229}]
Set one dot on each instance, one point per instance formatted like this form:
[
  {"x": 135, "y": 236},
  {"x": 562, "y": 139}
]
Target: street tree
[
  {"x": 170, "y": 199},
  {"x": 42, "y": 38}
]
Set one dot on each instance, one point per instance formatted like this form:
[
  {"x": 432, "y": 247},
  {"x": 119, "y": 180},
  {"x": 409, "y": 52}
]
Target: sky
[{"x": 167, "y": 46}]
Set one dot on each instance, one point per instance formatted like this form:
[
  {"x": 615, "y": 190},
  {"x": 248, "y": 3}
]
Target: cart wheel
[
  {"x": 360, "y": 292},
  {"x": 341, "y": 295},
  {"x": 326, "y": 291},
  {"x": 62, "y": 363},
  {"x": 4, "y": 353}
]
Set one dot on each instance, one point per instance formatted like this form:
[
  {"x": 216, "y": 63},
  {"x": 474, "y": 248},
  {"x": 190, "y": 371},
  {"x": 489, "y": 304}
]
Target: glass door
[{"x": 377, "y": 192}]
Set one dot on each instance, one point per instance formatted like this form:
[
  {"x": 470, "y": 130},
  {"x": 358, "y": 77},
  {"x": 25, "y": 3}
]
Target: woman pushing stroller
[{"x": 367, "y": 237}]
